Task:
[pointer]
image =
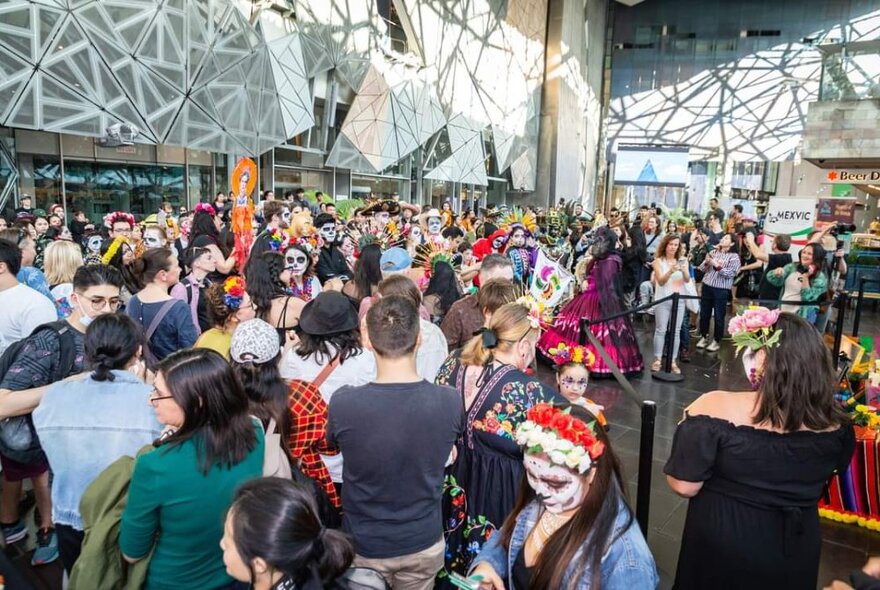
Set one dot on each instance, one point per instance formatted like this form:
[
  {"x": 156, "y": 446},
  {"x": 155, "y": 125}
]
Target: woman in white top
[
  {"x": 329, "y": 330},
  {"x": 671, "y": 272}
]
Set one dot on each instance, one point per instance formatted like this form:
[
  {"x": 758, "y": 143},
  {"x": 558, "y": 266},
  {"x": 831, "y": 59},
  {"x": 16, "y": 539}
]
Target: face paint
[
  {"x": 151, "y": 240},
  {"x": 497, "y": 243},
  {"x": 416, "y": 234},
  {"x": 296, "y": 262},
  {"x": 557, "y": 488},
  {"x": 382, "y": 218},
  {"x": 285, "y": 216},
  {"x": 518, "y": 239},
  {"x": 328, "y": 232},
  {"x": 94, "y": 244},
  {"x": 435, "y": 224}
]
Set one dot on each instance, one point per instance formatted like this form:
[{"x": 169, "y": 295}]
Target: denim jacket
[
  {"x": 84, "y": 426},
  {"x": 626, "y": 565}
]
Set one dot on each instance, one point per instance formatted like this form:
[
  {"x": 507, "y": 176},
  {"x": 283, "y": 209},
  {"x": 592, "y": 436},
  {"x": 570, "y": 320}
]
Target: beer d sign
[{"x": 853, "y": 176}]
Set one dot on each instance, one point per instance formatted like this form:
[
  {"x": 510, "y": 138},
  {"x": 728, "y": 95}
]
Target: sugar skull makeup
[
  {"x": 328, "y": 232},
  {"x": 497, "y": 243},
  {"x": 518, "y": 239},
  {"x": 152, "y": 239},
  {"x": 435, "y": 224},
  {"x": 296, "y": 262},
  {"x": 285, "y": 216},
  {"x": 558, "y": 488},
  {"x": 416, "y": 233},
  {"x": 381, "y": 219},
  {"x": 94, "y": 244}
]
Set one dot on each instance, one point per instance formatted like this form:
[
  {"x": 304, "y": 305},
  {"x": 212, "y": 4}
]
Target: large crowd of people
[{"x": 303, "y": 399}]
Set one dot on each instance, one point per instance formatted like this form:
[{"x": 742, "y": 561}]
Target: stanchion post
[
  {"x": 669, "y": 344},
  {"x": 582, "y": 333},
  {"x": 842, "y": 302},
  {"x": 646, "y": 460},
  {"x": 858, "y": 318}
]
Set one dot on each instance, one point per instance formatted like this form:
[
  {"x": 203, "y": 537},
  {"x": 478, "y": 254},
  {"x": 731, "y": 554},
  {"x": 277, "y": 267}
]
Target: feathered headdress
[
  {"x": 431, "y": 253},
  {"x": 364, "y": 235},
  {"x": 518, "y": 217}
]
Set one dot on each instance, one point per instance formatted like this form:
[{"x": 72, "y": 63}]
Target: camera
[{"x": 842, "y": 228}]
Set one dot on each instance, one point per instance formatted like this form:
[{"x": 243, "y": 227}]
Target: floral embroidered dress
[{"x": 482, "y": 485}]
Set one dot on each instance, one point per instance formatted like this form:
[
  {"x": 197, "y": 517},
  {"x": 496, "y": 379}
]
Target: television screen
[{"x": 651, "y": 166}]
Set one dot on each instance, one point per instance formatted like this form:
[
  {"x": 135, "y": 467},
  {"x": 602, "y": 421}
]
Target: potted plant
[{"x": 865, "y": 422}]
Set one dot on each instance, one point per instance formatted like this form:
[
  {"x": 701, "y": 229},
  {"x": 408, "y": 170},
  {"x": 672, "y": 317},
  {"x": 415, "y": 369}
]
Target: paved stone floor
[{"x": 844, "y": 547}]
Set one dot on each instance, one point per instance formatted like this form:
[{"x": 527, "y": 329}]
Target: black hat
[{"x": 330, "y": 312}]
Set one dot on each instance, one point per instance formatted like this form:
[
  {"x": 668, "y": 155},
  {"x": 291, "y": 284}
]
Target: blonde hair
[
  {"x": 510, "y": 324},
  {"x": 60, "y": 261}
]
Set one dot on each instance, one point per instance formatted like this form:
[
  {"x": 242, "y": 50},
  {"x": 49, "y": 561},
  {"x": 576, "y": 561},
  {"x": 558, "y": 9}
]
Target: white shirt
[
  {"x": 21, "y": 310},
  {"x": 355, "y": 371},
  {"x": 432, "y": 352}
]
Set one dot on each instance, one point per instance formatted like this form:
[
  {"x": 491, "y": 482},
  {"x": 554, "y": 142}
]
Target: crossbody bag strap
[
  {"x": 157, "y": 319},
  {"x": 325, "y": 372}
]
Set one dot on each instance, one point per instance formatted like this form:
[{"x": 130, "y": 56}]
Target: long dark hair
[
  {"x": 346, "y": 345},
  {"x": 262, "y": 275},
  {"x": 819, "y": 255},
  {"x": 367, "y": 270},
  {"x": 214, "y": 406},
  {"x": 203, "y": 225},
  {"x": 277, "y": 521},
  {"x": 799, "y": 380},
  {"x": 444, "y": 284},
  {"x": 111, "y": 341},
  {"x": 594, "y": 520},
  {"x": 129, "y": 280},
  {"x": 267, "y": 394}
]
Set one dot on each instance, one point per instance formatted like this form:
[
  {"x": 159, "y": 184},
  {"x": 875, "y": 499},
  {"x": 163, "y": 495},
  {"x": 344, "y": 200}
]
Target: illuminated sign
[{"x": 853, "y": 176}]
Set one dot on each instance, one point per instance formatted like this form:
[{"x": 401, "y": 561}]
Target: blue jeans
[{"x": 713, "y": 301}]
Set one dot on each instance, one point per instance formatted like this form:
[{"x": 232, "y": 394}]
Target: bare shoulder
[{"x": 728, "y": 405}]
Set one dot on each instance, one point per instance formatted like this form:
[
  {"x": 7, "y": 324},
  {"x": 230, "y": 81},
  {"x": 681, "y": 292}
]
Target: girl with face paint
[
  {"x": 571, "y": 519},
  {"x": 489, "y": 374},
  {"x": 303, "y": 283}
]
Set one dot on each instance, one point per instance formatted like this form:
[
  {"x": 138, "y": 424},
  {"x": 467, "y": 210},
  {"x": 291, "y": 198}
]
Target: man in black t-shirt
[
  {"x": 397, "y": 434},
  {"x": 777, "y": 259}
]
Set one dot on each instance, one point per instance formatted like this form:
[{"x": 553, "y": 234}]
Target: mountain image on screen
[{"x": 648, "y": 174}]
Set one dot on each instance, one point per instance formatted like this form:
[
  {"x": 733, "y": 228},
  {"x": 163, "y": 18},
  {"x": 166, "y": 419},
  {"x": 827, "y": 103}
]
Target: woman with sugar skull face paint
[
  {"x": 303, "y": 284},
  {"x": 571, "y": 527}
]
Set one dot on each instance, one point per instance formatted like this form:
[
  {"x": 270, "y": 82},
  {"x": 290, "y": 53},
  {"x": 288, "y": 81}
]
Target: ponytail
[
  {"x": 112, "y": 341},
  {"x": 506, "y": 327},
  {"x": 334, "y": 556}
]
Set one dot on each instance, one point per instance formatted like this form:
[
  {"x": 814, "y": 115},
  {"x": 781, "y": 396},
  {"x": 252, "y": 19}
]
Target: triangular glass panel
[{"x": 11, "y": 64}]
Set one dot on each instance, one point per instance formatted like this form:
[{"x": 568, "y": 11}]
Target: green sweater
[
  {"x": 172, "y": 504},
  {"x": 818, "y": 287}
]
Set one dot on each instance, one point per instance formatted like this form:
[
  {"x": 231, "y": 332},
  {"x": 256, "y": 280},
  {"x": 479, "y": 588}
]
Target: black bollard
[
  {"x": 842, "y": 301},
  {"x": 858, "y": 318},
  {"x": 582, "y": 333},
  {"x": 646, "y": 460}
]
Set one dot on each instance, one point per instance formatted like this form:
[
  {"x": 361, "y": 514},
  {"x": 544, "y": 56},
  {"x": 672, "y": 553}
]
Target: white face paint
[
  {"x": 94, "y": 244},
  {"x": 285, "y": 216},
  {"x": 296, "y": 262},
  {"x": 435, "y": 224},
  {"x": 328, "y": 232},
  {"x": 518, "y": 239},
  {"x": 381, "y": 219},
  {"x": 559, "y": 489},
  {"x": 152, "y": 240},
  {"x": 497, "y": 243},
  {"x": 416, "y": 233}
]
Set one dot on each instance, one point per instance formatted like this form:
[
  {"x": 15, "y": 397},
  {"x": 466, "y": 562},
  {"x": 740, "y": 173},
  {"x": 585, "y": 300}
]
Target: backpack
[{"x": 18, "y": 438}]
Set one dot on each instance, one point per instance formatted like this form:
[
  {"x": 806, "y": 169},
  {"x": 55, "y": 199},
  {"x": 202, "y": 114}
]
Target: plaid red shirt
[{"x": 308, "y": 412}]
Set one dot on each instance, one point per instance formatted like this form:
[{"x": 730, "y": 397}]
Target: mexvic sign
[{"x": 853, "y": 176}]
